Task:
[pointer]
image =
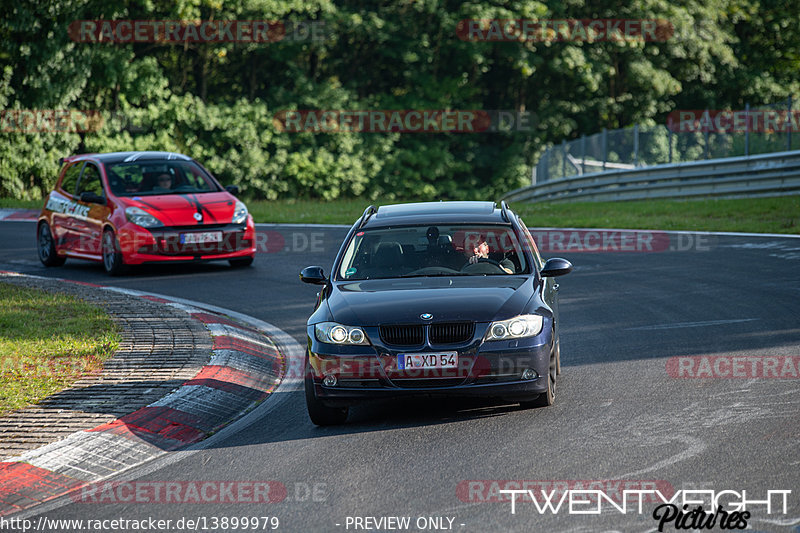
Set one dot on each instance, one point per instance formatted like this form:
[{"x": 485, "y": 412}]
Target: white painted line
[
  {"x": 691, "y": 324},
  {"x": 276, "y": 225},
  {"x": 89, "y": 455},
  {"x": 203, "y": 402},
  {"x": 224, "y": 330},
  {"x": 241, "y": 361},
  {"x": 537, "y": 228},
  {"x": 676, "y": 232},
  {"x": 129, "y": 292},
  {"x": 187, "y": 308}
]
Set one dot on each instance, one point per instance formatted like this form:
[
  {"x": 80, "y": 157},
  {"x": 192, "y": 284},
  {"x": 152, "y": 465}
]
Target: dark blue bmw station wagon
[{"x": 440, "y": 298}]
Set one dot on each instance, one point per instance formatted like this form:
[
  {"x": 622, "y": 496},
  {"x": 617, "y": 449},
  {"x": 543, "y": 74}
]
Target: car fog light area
[
  {"x": 515, "y": 328},
  {"x": 529, "y": 373},
  {"x": 334, "y": 333},
  {"x": 329, "y": 381}
]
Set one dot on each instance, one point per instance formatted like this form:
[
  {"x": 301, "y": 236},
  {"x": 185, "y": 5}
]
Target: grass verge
[
  {"x": 757, "y": 215},
  {"x": 21, "y": 204},
  {"x": 47, "y": 342}
]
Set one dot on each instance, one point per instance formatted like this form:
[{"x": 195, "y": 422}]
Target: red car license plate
[{"x": 201, "y": 238}]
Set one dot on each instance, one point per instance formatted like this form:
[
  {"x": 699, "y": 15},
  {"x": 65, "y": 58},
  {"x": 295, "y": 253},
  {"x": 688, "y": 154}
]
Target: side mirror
[
  {"x": 313, "y": 275},
  {"x": 233, "y": 189},
  {"x": 556, "y": 267},
  {"x": 92, "y": 198}
]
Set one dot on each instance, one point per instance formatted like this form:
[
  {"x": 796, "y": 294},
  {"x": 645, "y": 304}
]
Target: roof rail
[
  {"x": 368, "y": 212},
  {"x": 504, "y": 211}
]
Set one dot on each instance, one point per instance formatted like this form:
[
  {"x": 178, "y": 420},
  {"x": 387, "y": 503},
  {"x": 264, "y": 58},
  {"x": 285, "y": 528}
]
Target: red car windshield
[{"x": 146, "y": 178}]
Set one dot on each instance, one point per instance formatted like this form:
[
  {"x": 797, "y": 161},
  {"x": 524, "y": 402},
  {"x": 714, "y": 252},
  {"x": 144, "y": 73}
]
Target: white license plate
[
  {"x": 408, "y": 361},
  {"x": 201, "y": 238}
]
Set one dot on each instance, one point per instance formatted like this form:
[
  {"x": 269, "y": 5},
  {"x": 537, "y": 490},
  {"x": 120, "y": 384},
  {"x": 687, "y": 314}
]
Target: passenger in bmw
[{"x": 481, "y": 251}]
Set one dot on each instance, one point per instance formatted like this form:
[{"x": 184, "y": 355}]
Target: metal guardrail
[
  {"x": 677, "y": 141},
  {"x": 774, "y": 174}
]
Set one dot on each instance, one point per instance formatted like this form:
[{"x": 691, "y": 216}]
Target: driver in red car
[
  {"x": 481, "y": 251},
  {"x": 163, "y": 183}
]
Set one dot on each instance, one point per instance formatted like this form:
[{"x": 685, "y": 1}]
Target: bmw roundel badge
[{"x": 426, "y": 316}]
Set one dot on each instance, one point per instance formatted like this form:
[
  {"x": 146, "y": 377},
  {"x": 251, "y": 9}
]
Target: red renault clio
[{"x": 129, "y": 208}]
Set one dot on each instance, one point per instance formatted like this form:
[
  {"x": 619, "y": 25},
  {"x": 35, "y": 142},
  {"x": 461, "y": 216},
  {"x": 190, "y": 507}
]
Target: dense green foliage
[{"x": 216, "y": 101}]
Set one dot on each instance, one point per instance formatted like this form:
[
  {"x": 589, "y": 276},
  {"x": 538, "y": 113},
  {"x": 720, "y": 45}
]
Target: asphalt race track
[{"x": 619, "y": 413}]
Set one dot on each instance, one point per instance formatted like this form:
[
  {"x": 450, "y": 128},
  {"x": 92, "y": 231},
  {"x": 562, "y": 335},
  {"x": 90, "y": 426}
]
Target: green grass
[
  {"x": 21, "y": 204},
  {"x": 308, "y": 211},
  {"x": 758, "y": 215},
  {"x": 47, "y": 342}
]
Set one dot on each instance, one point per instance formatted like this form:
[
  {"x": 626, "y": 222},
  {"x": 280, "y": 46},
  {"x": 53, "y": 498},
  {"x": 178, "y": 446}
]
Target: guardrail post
[
  {"x": 669, "y": 140},
  {"x": 605, "y": 148},
  {"x": 747, "y": 129},
  {"x": 563, "y": 158},
  {"x": 583, "y": 154},
  {"x": 636, "y": 145},
  {"x": 546, "y": 166},
  {"x": 789, "y": 118}
]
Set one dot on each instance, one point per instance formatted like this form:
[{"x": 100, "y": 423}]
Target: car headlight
[
  {"x": 239, "y": 213},
  {"x": 515, "y": 328},
  {"x": 334, "y": 333},
  {"x": 142, "y": 218}
]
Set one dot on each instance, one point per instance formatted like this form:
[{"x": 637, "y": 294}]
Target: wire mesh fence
[{"x": 688, "y": 136}]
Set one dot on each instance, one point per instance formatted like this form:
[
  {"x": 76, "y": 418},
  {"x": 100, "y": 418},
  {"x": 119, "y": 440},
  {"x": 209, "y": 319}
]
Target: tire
[
  {"x": 322, "y": 415},
  {"x": 46, "y": 247},
  {"x": 241, "y": 262},
  {"x": 548, "y": 398},
  {"x": 112, "y": 256}
]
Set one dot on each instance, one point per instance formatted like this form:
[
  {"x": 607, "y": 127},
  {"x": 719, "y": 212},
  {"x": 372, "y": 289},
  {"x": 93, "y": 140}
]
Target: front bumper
[
  {"x": 140, "y": 245},
  {"x": 485, "y": 369}
]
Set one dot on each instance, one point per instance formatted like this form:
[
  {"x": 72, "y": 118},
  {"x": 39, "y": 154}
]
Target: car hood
[
  {"x": 180, "y": 209},
  {"x": 467, "y": 298}
]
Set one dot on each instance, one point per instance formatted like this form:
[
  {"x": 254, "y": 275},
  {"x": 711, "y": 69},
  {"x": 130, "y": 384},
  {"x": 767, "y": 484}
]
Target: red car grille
[{"x": 171, "y": 245}]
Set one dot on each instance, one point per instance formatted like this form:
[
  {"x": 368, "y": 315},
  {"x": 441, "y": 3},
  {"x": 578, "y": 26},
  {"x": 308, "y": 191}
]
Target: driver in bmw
[{"x": 481, "y": 251}]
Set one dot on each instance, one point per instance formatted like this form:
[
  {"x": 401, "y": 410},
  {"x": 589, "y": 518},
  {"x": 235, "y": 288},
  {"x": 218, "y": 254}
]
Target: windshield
[
  {"x": 445, "y": 250},
  {"x": 146, "y": 178}
]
